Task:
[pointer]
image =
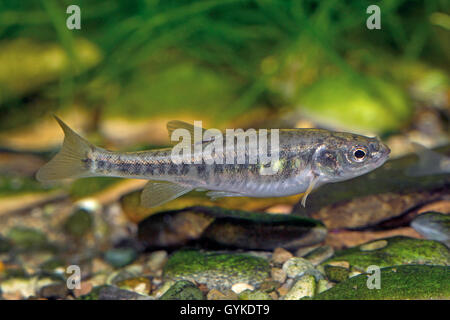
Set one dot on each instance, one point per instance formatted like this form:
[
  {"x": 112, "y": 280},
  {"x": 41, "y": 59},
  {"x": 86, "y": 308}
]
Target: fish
[
  {"x": 433, "y": 226},
  {"x": 430, "y": 162},
  {"x": 307, "y": 159}
]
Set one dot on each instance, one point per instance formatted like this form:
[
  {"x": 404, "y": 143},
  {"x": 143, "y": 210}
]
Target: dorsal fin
[{"x": 177, "y": 124}]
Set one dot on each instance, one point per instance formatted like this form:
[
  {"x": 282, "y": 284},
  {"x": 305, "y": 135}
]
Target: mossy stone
[
  {"x": 336, "y": 273},
  {"x": 398, "y": 282},
  {"x": 254, "y": 295},
  {"x": 79, "y": 223},
  {"x": 183, "y": 290},
  {"x": 398, "y": 251},
  {"x": 217, "y": 270}
]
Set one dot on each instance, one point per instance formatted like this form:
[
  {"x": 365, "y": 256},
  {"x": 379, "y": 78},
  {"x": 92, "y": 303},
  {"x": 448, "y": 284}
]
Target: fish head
[{"x": 345, "y": 155}]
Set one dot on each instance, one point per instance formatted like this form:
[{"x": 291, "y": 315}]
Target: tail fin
[{"x": 69, "y": 162}]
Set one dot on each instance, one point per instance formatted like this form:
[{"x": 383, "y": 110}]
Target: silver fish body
[{"x": 307, "y": 158}]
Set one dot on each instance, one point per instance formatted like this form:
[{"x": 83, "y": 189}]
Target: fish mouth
[{"x": 383, "y": 154}]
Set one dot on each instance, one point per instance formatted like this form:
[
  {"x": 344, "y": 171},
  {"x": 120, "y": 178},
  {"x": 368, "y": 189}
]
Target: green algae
[
  {"x": 332, "y": 101},
  {"x": 183, "y": 290},
  {"x": 216, "y": 270},
  {"x": 398, "y": 282},
  {"x": 399, "y": 250}
]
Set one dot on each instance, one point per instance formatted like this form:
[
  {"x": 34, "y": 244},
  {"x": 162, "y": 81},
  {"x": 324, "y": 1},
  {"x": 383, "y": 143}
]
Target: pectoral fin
[
  {"x": 311, "y": 187},
  {"x": 156, "y": 193}
]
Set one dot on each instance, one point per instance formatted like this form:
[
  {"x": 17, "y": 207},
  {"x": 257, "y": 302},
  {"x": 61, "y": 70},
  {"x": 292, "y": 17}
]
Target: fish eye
[{"x": 359, "y": 154}]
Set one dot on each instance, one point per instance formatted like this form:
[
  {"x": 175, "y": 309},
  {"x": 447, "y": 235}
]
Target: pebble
[
  {"x": 120, "y": 257},
  {"x": 284, "y": 289},
  {"x": 296, "y": 267},
  {"x": 55, "y": 290},
  {"x": 215, "y": 294},
  {"x": 278, "y": 274},
  {"x": 374, "y": 245},
  {"x": 303, "y": 287},
  {"x": 157, "y": 260},
  {"x": 85, "y": 288},
  {"x": 319, "y": 254},
  {"x": 240, "y": 287},
  {"x": 281, "y": 255},
  {"x": 301, "y": 252},
  {"x": 254, "y": 295},
  {"x": 269, "y": 286},
  {"x": 139, "y": 285}
]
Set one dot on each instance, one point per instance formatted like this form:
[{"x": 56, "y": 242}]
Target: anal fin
[{"x": 156, "y": 193}]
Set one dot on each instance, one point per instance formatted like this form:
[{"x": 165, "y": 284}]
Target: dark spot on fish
[
  {"x": 162, "y": 168},
  {"x": 101, "y": 164},
  {"x": 184, "y": 169},
  {"x": 173, "y": 169},
  {"x": 148, "y": 169}
]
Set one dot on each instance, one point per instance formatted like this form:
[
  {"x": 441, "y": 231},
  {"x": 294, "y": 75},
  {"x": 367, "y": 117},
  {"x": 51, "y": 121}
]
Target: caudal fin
[{"x": 70, "y": 162}]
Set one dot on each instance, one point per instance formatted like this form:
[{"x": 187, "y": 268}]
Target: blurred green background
[{"x": 136, "y": 64}]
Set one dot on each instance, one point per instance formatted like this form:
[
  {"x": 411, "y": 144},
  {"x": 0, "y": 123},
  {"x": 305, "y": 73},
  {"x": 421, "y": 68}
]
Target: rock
[
  {"x": 254, "y": 295},
  {"x": 229, "y": 228},
  {"x": 54, "y": 291},
  {"x": 336, "y": 273},
  {"x": 400, "y": 282},
  {"x": 139, "y": 285},
  {"x": 85, "y": 288},
  {"x": 433, "y": 226},
  {"x": 374, "y": 245},
  {"x": 78, "y": 223},
  {"x": 319, "y": 254},
  {"x": 18, "y": 288},
  {"x": 157, "y": 260},
  {"x": 240, "y": 287},
  {"x": 214, "y": 294},
  {"x": 269, "y": 286},
  {"x": 323, "y": 285},
  {"x": 377, "y": 197},
  {"x": 107, "y": 292},
  {"x": 278, "y": 274},
  {"x": 303, "y": 251},
  {"x": 163, "y": 288},
  {"x": 303, "y": 287},
  {"x": 296, "y": 267},
  {"x": 280, "y": 256},
  {"x": 398, "y": 251},
  {"x": 183, "y": 290},
  {"x": 216, "y": 270},
  {"x": 27, "y": 238},
  {"x": 120, "y": 257}
]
